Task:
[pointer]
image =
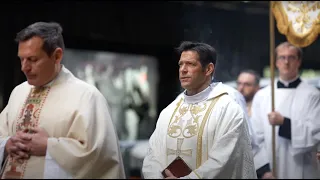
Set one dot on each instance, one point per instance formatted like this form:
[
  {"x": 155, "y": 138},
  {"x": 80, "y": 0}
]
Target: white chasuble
[
  {"x": 208, "y": 131},
  {"x": 186, "y": 129},
  {"x": 82, "y": 141}
]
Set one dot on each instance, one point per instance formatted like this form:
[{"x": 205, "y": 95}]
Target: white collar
[{"x": 199, "y": 97}]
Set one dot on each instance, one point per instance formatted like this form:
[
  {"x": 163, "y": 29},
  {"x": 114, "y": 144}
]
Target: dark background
[{"x": 239, "y": 31}]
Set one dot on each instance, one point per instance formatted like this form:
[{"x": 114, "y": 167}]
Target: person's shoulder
[
  {"x": 226, "y": 98},
  {"x": 173, "y": 104},
  {"x": 226, "y": 104},
  {"x": 263, "y": 92},
  {"x": 230, "y": 110},
  {"x": 20, "y": 89},
  {"x": 265, "y": 89},
  {"x": 24, "y": 86},
  {"x": 229, "y": 103},
  {"x": 83, "y": 85},
  {"x": 308, "y": 89},
  {"x": 308, "y": 93},
  {"x": 230, "y": 90},
  {"x": 223, "y": 94},
  {"x": 83, "y": 88},
  {"x": 168, "y": 110}
]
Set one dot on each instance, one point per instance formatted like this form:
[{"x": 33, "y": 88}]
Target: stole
[{"x": 28, "y": 118}]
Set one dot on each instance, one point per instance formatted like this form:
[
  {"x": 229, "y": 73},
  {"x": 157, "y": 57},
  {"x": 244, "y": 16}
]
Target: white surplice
[
  {"x": 208, "y": 131},
  {"x": 82, "y": 139},
  {"x": 296, "y": 157}
]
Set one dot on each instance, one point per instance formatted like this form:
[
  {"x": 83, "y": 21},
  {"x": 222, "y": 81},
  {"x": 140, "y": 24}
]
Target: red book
[{"x": 178, "y": 168}]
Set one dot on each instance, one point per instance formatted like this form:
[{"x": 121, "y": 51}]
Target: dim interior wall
[{"x": 154, "y": 27}]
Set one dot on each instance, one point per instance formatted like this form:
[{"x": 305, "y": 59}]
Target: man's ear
[
  {"x": 210, "y": 69},
  {"x": 57, "y": 55}
]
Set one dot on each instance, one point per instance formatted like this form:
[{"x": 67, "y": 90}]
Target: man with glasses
[
  {"x": 296, "y": 118},
  {"x": 248, "y": 84}
]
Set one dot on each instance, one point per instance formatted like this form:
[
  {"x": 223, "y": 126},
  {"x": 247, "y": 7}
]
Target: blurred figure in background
[{"x": 248, "y": 84}]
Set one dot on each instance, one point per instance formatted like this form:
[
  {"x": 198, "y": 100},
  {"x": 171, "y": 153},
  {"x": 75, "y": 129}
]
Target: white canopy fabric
[{"x": 299, "y": 21}]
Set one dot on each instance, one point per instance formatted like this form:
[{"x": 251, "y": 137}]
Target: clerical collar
[
  {"x": 289, "y": 84},
  {"x": 201, "y": 96}
]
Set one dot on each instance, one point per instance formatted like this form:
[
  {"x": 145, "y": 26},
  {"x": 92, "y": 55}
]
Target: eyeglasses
[
  {"x": 245, "y": 84},
  {"x": 289, "y": 58}
]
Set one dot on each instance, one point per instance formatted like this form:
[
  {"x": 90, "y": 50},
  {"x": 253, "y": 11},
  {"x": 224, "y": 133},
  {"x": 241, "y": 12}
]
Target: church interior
[{"x": 127, "y": 50}]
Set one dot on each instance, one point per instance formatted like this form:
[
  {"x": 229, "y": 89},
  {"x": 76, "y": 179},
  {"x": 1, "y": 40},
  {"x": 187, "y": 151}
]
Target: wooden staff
[{"x": 272, "y": 48}]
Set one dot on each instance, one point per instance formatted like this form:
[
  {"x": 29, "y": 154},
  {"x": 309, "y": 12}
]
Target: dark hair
[
  {"x": 51, "y": 33},
  {"x": 207, "y": 53},
  {"x": 288, "y": 45},
  {"x": 254, "y": 73}
]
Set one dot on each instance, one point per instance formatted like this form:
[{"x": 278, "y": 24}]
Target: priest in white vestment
[
  {"x": 239, "y": 98},
  {"x": 139, "y": 152},
  {"x": 296, "y": 118},
  {"x": 55, "y": 125},
  {"x": 205, "y": 126}
]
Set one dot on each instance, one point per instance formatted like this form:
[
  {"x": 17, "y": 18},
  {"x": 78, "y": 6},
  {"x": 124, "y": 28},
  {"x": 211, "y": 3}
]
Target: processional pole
[{"x": 272, "y": 57}]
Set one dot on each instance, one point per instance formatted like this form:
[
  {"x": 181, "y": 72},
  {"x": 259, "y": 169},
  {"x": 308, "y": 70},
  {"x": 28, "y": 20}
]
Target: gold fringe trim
[{"x": 286, "y": 28}]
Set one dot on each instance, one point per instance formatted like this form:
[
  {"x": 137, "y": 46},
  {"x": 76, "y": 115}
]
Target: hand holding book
[{"x": 178, "y": 168}]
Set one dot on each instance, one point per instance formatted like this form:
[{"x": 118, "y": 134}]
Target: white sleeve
[
  {"x": 4, "y": 135},
  {"x": 260, "y": 155},
  {"x": 52, "y": 170},
  {"x": 242, "y": 102},
  {"x": 152, "y": 164},
  {"x": 305, "y": 131},
  {"x": 2, "y": 150},
  {"x": 258, "y": 152}
]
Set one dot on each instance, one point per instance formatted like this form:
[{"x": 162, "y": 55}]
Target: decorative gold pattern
[
  {"x": 175, "y": 129},
  {"x": 303, "y": 20},
  {"x": 304, "y": 30},
  {"x": 192, "y": 128},
  {"x": 196, "y": 109},
  {"x": 179, "y": 151}
]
